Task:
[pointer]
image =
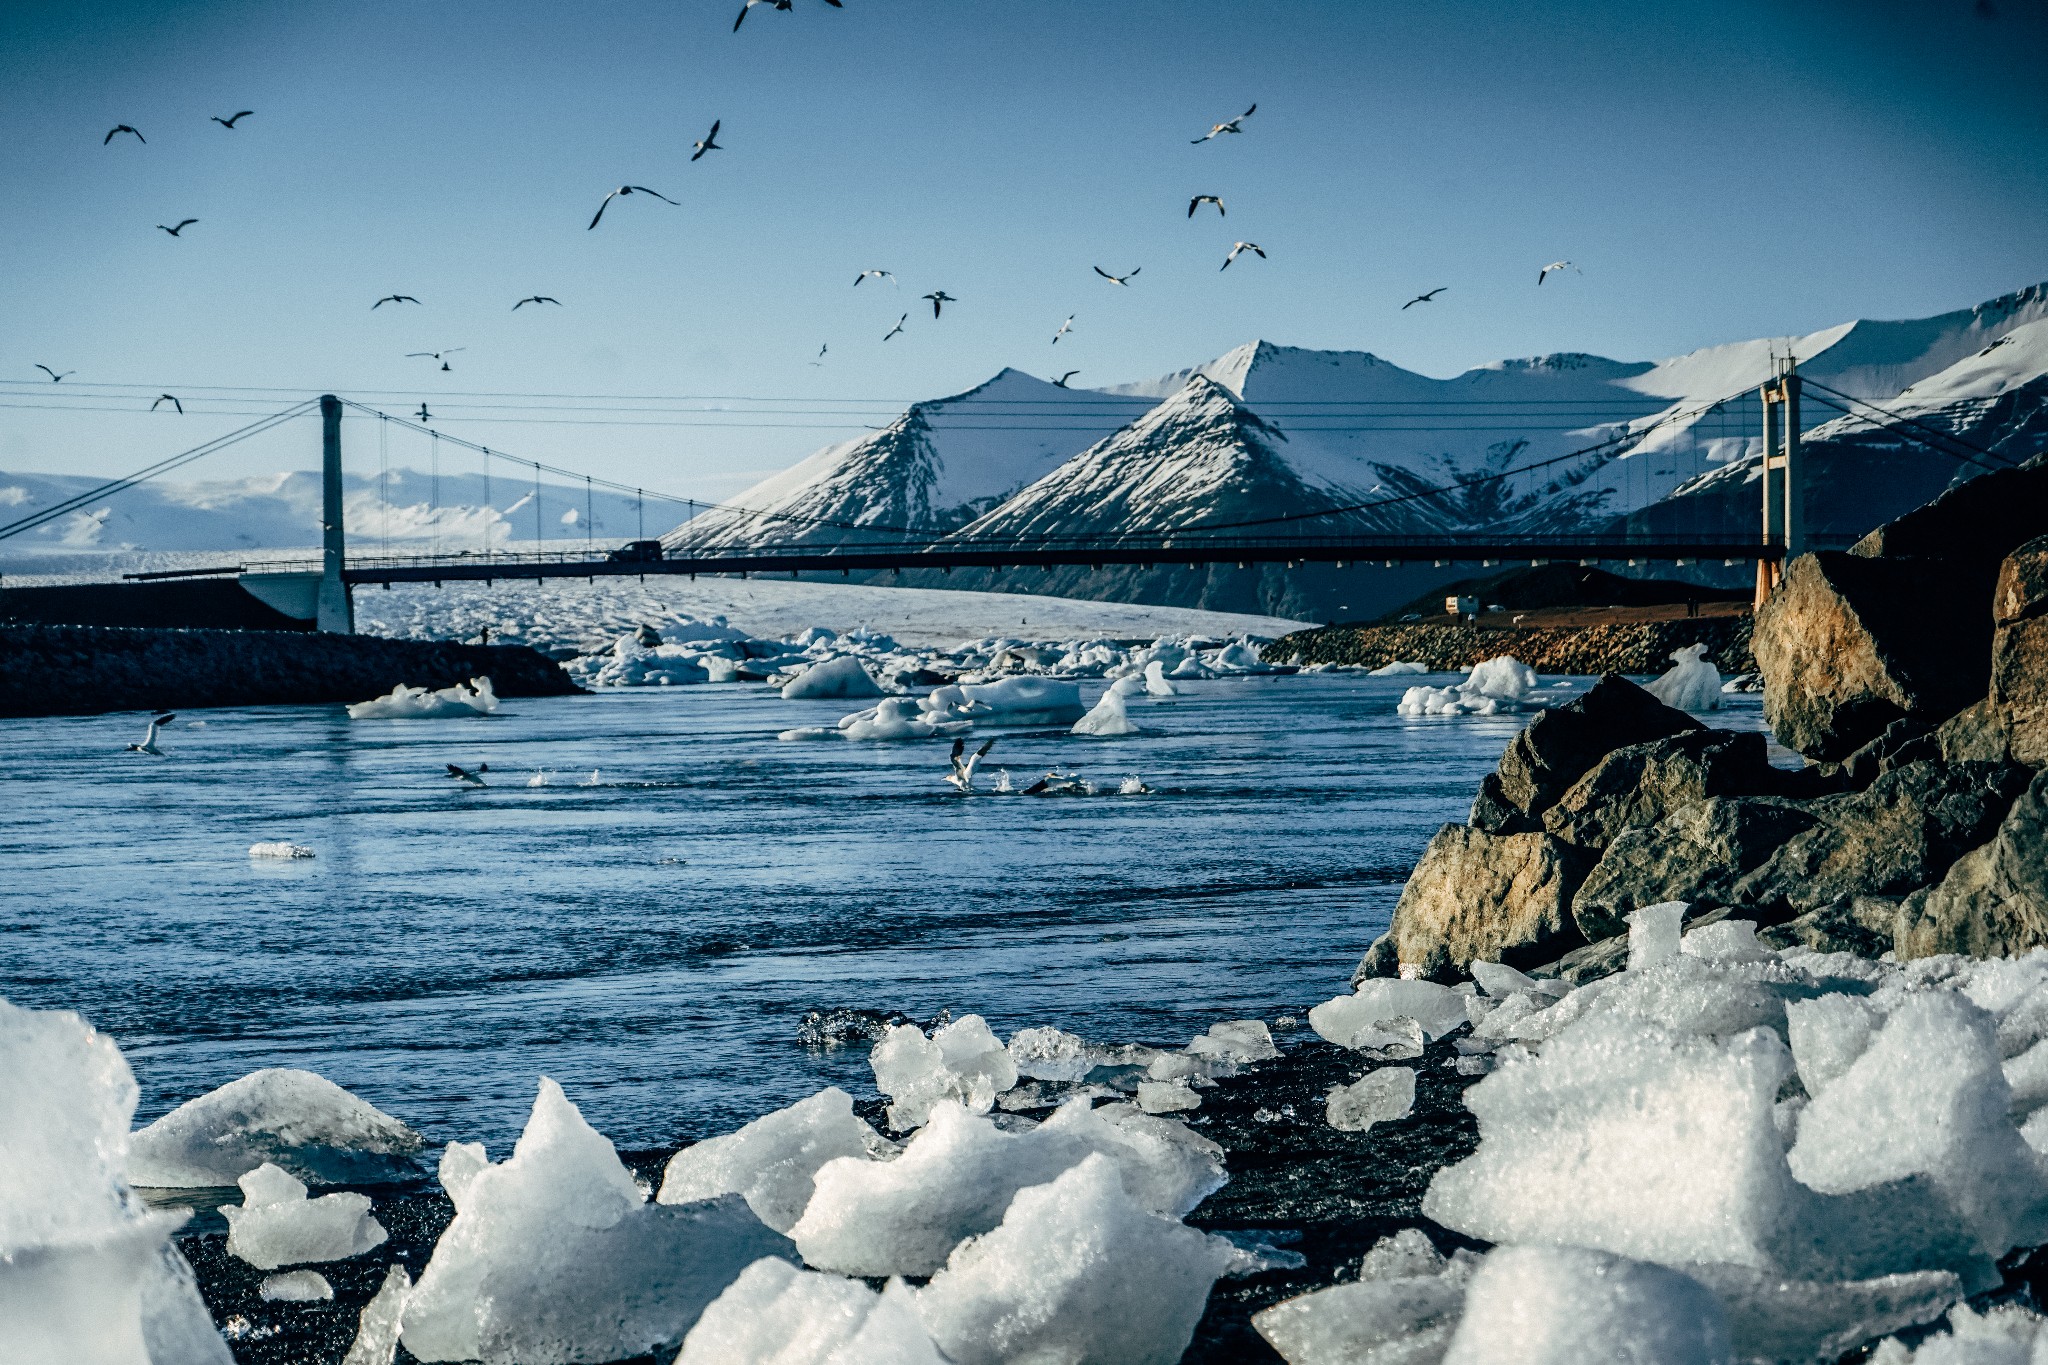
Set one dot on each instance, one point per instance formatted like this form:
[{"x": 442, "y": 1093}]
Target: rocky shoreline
[{"x": 1619, "y": 647}]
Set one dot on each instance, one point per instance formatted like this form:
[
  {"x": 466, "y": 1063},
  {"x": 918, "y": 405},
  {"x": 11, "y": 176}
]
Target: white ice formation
[
  {"x": 960, "y": 1061},
  {"x": 840, "y": 676},
  {"x": 1379, "y": 1096},
  {"x": 1396, "y": 669},
  {"x": 279, "y": 850},
  {"x": 1110, "y": 717},
  {"x": 304, "y": 1123},
  {"x": 1371, "y": 1013},
  {"x": 380, "y": 1322},
  {"x": 1691, "y": 684},
  {"x": 1494, "y": 685},
  {"x": 770, "y": 1162},
  {"x": 474, "y": 698},
  {"x": 776, "y": 1314},
  {"x": 295, "y": 1286},
  {"x": 277, "y": 1225}
]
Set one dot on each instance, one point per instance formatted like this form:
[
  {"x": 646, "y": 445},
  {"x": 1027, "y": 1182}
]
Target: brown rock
[
  {"x": 1994, "y": 900},
  {"x": 1474, "y": 895},
  {"x": 2019, "y": 688},
  {"x": 2022, "y": 590},
  {"x": 1697, "y": 854},
  {"x": 1643, "y": 783},
  {"x": 1974, "y": 734},
  {"x": 1863, "y": 925},
  {"x": 1558, "y": 747}
]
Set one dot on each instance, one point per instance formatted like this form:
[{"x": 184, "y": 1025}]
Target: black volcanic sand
[{"x": 1330, "y": 1195}]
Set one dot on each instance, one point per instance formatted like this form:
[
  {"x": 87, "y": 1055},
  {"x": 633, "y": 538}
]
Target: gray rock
[
  {"x": 1974, "y": 735},
  {"x": 1903, "y": 741},
  {"x": 1697, "y": 854},
  {"x": 1501, "y": 897},
  {"x": 1557, "y": 748},
  {"x": 1494, "y": 813},
  {"x": 2019, "y": 688},
  {"x": 1863, "y": 925},
  {"x": 1642, "y": 783},
  {"x": 1994, "y": 900}
]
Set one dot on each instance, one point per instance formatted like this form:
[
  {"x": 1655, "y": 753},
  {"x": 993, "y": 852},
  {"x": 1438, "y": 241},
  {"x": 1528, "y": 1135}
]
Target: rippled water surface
[{"x": 652, "y": 940}]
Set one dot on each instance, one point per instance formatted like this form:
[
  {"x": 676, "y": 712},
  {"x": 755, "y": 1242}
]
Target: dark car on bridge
[{"x": 637, "y": 552}]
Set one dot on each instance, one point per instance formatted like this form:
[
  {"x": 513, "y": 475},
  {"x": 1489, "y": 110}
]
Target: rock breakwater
[{"x": 1619, "y": 647}]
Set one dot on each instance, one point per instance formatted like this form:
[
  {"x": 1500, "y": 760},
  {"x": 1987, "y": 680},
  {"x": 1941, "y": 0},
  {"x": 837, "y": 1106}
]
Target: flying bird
[
  {"x": 55, "y": 378},
  {"x": 888, "y": 275},
  {"x": 1065, "y": 328},
  {"x": 898, "y": 327},
  {"x": 436, "y": 355},
  {"x": 939, "y": 300},
  {"x": 1238, "y": 249},
  {"x": 773, "y": 4},
  {"x": 709, "y": 144},
  {"x": 1429, "y": 297},
  {"x": 535, "y": 298},
  {"x": 1229, "y": 125},
  {"x": 148, "y": 745},
  {"x": 121, "y": 128},
  {"x": 1061, "y": 382},
  {"x": 174, "y": 231},
  {"x": 466, "y": 776},
  {"x": 232, "y": 120},
  {"x": 962, "y": 776},
  {"x": 1202, "y": 199},
  {"x": 628, "y": 189},
  {"x": 1124, "y": 280},
  {"x": 820, "y": 361},
  {"x": 393, "y": 298},
  {"x": 170, "y": 398},
  {"x": 1545, "y": 273},
  {"x": 423, "y": 414}
]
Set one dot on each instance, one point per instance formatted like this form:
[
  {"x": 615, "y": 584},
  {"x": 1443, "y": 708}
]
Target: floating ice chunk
[
  {"x": 961, "y": 1060},
  {"x": 895, "y": 718},
  {"x": 1396, "y": 669},
  {"x": 474, "y": 698},
  {"x": 1771, "y": 1318},
  {"x": 1189, "y": 669},
  {"x": 1026, "y": 700},
  {"x": 1692, "y": 684},
  {"x": 1167, "y": 1097},
  {"x": 378, "y": 1326},
  {"x": 295, "y": 1286},
  {"x": 1827, "y": 1035},
  {"x": 775, "y": 1314},
  {"x": 840, "y": 676},
  {"x": 1075, "y": 1272},
  {"x": 1653, "y": 933},
  {"x": 1438, "y": 1009},
  {"x": 770, "y": 1162},
  {"x": 1237, "y": 1040},
  {"x": 1110, "y": 717},
  {"x": 1404, "y": 1318},
  {"x": 276, "y": 1225},
  {"x": 1494, "y": 685},
  {"x": 1156, "y": 684},
  {"x": 279, "y": 850},
  {"x": 304, "y": 1123},
  {"x": 1130, "y": 685},
  {"x": 555, "y": 1255},
  {"x": 1379, "y": 1096},
  {"x": 1048, "y": 1054},
  {"x": 1568, "y": 1305}
]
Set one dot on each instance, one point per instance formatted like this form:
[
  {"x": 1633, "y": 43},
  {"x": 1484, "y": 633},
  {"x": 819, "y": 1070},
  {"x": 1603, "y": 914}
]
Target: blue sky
[{"x": 1719, "y": 171}]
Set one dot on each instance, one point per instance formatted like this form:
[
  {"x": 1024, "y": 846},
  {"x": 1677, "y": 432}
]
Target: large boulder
[
  {"x": 1557, "y": 748},
  {"x": 2019, "y": 653},
  {"x": 2022, "y": 589},
  {"x": 1994, "y": 900},
  {"x": 1697, "y": 854},
  {"x": 1973, "y": 526},
  {"x": 1479, "y": 896},
  {"x": 1642, "y": 783}
]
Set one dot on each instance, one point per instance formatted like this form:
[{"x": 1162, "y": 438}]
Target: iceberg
[
  {"x": 302, "y": 1122},
  {"x": 1110, "y": 717},
  {"x": 1691, "y": 684},
  {"x": 1494, "y": 685},
  {"x": 474, "y": 698},
  {"x": 840, "y": 676}
]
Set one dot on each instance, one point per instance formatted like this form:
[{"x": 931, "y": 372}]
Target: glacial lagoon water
[{"x": 653, "y": 939}]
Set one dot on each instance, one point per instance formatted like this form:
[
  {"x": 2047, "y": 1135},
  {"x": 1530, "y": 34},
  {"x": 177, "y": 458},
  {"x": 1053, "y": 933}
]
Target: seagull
[
  {"x": 888, "y": 275},
  {"x": 170, "y": 398},
  {"x": 962, "y": 776},
  {"x": 174, "y": 231},
  {"x": 628, "y": 189},
  {"x": 1430, "y": 296},
  {"x": 824, "y": 348},
  {"x": 393, "y": 298},
  {"x": 1238, "y": 249},
  {"x": 230, "y": 122},
  {"x": 710, "y": 142},
  {"x": 465, "y": 776},
  {"x": 1544, "y": 273},
  {"x": 777, "y": 4},
  {"x": 1065, "y": 328},
  {"x": 535, "y": 298},
  {"x": 1057, "y": 783},
  {"x": 899, "y": 325},
  {"x": 1202, "y": 199},
  {"x": 55, "y": 378},
  {"x": 1229, "y": 126},
  {"x": 122, "y": 128},
  {"x": 148, "y": 745},
  {"x": 939, "y": 300},
  {"x": 436, "y": 355},
  {"x": 1124, "y": 280},
  {"x": 1061, "y": 382},
  {"x": 424, "y": 415}
]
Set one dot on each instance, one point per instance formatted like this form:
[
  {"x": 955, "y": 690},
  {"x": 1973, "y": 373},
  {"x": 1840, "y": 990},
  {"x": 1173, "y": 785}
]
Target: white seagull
[
  {"x": 627, "y": 189},
  {"x": 709, "y": 144},
  {"x": 898, "y": 327},
  {"x": 1545, "y": 273},
  {"x": 1065, "y": 328},
  {"x": 437, "y": 355},
  {"x": 1124, "y": 279},
  {"x": 888, "y": 275},
  {"x": 1228, "y": 125},
  {"x": 1238, "y": 249},
  {"x": 148, "y": 745},
  {"x": 962, "y": 776},
  {"x": 1202, "y": 199}
]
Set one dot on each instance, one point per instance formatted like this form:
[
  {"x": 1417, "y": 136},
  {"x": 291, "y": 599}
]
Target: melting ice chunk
[
  {"x": 771, "y": 1161},
  {"x": 302, "y": 1122},
  {"x": 775, "y": 1314},
  {"x": 277, "y": 1225}
]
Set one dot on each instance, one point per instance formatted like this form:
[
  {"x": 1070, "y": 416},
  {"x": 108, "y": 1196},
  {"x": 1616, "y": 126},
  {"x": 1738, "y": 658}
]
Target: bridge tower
[
  {"x": 335, "y": 613},
  {"x": 1784, "y": 486}
]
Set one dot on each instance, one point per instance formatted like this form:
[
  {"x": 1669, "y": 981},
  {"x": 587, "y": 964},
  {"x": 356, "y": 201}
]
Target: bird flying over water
[
  {"x": 170, "y": 398},
  {"x": 148, "y": 745},
  {"x": 1065, "y": 328},
  {"x": 962, "y": 776},
  {"x": 899, "y": 325},
  {"x": 1544, "y": 273},
  {"x": 121, "y": 128},
  {"x": 710, "y": 142},
  {"x": 230, "y": 121},
  {"x": 939, "y": 299},
  {"x": 535, "y": 298},
  {"x": 1228, "y": 125},
  {"x": 1124, "y": 279},
  {"x": 888, "y": 275},
  {"x": 436, "y": 355},
  {"x": 1061, "y": 382},
  {"x": 466, "y": 776},
  {"x": 55, "y": 378},
  {"x": 174, "y": 231},
  {"x": 1202, "y": 199},
  {"x": 1429, "y": 297},
  {"x": 628, "y": 189},
  {"x": 1238, "y": 249},
  {"x": 393, "y": 298},
  {"x": 784, "y": 5}
]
